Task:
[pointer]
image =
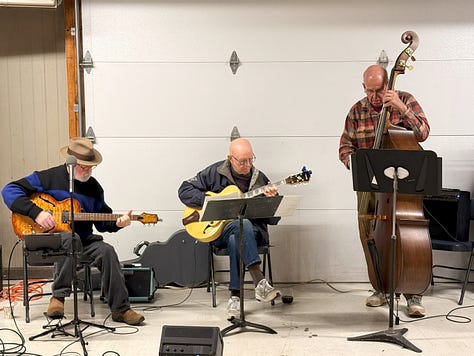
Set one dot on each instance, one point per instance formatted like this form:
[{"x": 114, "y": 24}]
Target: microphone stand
[{"x": 71, "y": 162}]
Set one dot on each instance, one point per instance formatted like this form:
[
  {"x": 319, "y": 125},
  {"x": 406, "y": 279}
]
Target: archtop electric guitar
[
  {"x": 23, "y": 225},
  {"x": 208, "y": 231}
]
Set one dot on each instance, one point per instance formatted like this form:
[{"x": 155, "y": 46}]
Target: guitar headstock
[
  {"x": 146, "y": 218},
  {"x": 299, "y": 178}
]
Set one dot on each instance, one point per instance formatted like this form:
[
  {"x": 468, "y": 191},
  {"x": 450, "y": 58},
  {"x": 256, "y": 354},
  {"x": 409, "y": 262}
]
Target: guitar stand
[
  {"x": 58, "y": 326},
  {"x": 241, "y": 322}
]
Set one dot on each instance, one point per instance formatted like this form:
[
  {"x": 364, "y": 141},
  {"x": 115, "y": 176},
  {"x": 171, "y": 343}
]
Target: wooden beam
[{"x": 71, "y": 67}]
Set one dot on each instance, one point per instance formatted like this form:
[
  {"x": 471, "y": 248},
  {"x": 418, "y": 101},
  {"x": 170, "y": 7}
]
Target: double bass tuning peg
[{"x": 409, "y": 67}]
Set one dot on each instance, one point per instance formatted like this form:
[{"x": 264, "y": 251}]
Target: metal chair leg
[{"x": 466, "y": 278}]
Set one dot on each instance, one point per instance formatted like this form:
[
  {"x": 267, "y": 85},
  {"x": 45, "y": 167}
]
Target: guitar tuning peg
[{"x": 305, "y": 170}]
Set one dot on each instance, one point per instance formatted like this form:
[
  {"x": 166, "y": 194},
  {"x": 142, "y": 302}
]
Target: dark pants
[{"x": 105, "y": 259}]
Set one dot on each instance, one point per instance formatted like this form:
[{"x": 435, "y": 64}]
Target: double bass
[{"x": 413, "y": 258}]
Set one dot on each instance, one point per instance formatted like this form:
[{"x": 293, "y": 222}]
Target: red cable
[{"x": 15, "y": 292}]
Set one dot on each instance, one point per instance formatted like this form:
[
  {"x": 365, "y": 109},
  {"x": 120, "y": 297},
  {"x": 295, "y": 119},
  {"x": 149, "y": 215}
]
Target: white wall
[{"x": 162, "y": 101}]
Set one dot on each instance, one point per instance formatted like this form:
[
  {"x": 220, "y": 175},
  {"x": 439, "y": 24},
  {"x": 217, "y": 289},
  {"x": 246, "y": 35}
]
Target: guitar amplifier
[
  {"x": 140, "y": 283},
  {"x": 190, "y": 341},
  {"x": 449, "y": 214}
]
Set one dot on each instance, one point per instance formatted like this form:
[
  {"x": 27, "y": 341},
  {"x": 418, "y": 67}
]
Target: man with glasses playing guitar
[
  {"x": 34, "y": 201},
  {"x": 237, "y": 170}
]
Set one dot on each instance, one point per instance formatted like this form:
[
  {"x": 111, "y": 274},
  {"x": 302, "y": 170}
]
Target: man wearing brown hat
[{"x": 89, "y": 193}]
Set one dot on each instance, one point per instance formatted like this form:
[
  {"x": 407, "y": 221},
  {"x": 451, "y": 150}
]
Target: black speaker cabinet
[
  {"x": 449, "y": 214},
  {"x": 140, "y": 282},
  {"x": 190, "y": 341}
]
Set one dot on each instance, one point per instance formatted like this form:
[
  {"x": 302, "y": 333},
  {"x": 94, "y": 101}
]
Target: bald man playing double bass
[{"x": 359, "y": 132}]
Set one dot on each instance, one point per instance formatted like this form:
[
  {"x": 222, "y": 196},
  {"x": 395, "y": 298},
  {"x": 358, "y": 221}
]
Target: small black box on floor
[
  {"x": 140, "y": 282},
  {"x": 190, "y": 341}
]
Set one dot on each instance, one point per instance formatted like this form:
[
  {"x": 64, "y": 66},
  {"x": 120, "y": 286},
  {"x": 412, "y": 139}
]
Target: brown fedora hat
[{"x": 83, "y": 150}]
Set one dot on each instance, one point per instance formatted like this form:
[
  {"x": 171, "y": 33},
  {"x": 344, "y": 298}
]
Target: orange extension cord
[{"x": 15, "y": 292}]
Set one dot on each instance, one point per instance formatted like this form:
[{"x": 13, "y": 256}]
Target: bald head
[
  {"x": 375, "y": 73},
  {"x": 240, "y": 145},
  {"x": 240, "y": 150},
  {"x": 375, "y": 84}
]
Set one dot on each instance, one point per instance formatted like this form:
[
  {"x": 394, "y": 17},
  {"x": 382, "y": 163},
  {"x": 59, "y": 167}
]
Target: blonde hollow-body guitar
[
  {"x": 24, "y": 225},
  {"x": 208, "y": 231}
]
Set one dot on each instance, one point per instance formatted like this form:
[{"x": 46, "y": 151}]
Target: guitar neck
[
  {"x": 258, "y": 191},
  {"x": 101, "y": 217}
]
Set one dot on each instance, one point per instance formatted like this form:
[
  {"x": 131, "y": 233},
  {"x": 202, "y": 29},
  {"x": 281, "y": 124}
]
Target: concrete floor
[{"x": 318, "y": 322}]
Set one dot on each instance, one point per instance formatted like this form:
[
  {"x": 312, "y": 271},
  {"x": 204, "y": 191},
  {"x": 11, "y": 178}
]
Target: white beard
[{"x": 83, "y": 177}]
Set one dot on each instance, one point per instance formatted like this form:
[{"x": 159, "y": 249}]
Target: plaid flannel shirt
[{"x": 361, "y": 121}]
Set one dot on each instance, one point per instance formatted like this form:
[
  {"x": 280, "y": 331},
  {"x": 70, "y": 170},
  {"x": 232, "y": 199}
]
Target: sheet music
[{"x": 288, "y": 205}]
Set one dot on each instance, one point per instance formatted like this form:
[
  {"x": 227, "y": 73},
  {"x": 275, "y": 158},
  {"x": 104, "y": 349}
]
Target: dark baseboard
[{"x": 16, "y": 273}]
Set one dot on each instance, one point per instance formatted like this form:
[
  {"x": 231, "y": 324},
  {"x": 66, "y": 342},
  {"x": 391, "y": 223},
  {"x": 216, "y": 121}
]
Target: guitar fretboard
[
  {"x": 100, "y": 217},
  {"x": 258, "y": 191}
]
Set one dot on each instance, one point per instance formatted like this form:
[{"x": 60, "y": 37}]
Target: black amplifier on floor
[
  {"x": 449, "y": 214},
  {"x": 140, "y": 282},
  {"x": 190, "y": 341}
]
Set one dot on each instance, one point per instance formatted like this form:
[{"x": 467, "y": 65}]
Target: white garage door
[{"x": 162, "y": 100}]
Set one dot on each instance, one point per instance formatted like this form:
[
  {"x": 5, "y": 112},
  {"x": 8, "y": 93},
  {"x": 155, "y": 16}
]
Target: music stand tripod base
[
  {"x": 236, "y": 323},
  {"x": 395, "y": 336}
]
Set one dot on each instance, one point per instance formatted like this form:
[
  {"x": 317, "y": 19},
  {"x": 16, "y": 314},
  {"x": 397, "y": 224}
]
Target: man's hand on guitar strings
[
  {"x": 45, "y": 220},
  {"x": 124, "y": 220},
  {"x": 270, "y": 190}
]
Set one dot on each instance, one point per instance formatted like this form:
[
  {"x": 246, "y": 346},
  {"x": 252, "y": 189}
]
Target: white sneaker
[
  {"x": 233, "y": 308},
  {"x": 264, "y": 292},
  {"x": 414, "y": 307},
  {"x": 377, "y": 299}
]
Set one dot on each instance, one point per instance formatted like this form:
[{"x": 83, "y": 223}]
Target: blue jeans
[{"x": 230, "y": 239}]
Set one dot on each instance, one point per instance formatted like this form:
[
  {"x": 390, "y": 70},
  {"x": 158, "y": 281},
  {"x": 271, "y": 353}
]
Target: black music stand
[
  {"x": 380, "y": 171},
  {"x": 231, "y": 209}
]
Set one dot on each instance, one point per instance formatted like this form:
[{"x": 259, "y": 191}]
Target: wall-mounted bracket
[
  {"x": 91, "y": 135},
  {"x": 234, "y": 62},
  {"x": 87, "y": 62},
  {"x": 234, "y": 134},
  {"x": 383, "y": 59}
]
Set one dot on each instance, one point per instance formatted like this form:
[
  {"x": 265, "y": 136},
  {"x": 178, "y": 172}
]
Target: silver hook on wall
[
  {"x": 234, "y": 62},
  {"x": 383, "y": 59}
]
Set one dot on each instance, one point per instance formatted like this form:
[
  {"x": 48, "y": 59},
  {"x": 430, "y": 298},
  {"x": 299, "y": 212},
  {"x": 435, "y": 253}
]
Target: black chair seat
[
  {"x": 456, "y": 246},
  {"x": 263, "y": 249}
]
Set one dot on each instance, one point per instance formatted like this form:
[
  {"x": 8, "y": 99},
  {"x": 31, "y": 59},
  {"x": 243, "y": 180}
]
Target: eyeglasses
[
  {"x": 375, "y": 91},
  {"x": 86, "y": 168},
  {"x": 244, "y": 161}
]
